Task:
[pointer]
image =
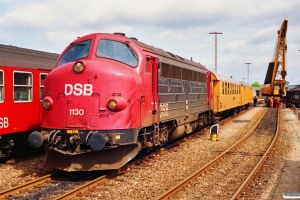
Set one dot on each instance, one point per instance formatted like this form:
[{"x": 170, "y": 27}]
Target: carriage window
[
  {"x": 22, "y": 86},
  {"x": 235, "y": 86},
  {"x": 223, "y": 88},
  {"x": 228, "y": 88},
  {"x": 1, "y": 86},
  {"x": 116, "y": 51},
  {"x": 75, "y": 52},
  {"x": 42, "y": 80}
]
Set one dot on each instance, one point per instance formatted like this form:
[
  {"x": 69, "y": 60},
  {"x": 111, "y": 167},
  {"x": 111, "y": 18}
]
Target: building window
[
  {"x": 22, "y": 86},
  {"x": 42, "y": 81},
  {"x": 1, "y": 86}
]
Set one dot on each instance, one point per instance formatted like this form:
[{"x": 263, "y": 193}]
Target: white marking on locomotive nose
[{"x": 78, "y": 89}]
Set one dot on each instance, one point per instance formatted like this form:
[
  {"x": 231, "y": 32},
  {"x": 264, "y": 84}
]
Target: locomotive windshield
[
  {"x": 75, "y": 52},
  {"x": 117, "y": 51}
]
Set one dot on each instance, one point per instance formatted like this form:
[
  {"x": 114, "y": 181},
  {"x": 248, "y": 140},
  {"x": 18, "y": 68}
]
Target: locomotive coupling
[
  {"x": 36, "y": 139},
  {"x": 96, "y": 140}
]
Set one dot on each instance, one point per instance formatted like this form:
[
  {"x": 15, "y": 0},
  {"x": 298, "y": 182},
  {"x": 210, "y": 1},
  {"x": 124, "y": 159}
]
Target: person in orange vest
[
  {"x": 271, "y": 102},
  {"x": 278, "y": 102}
]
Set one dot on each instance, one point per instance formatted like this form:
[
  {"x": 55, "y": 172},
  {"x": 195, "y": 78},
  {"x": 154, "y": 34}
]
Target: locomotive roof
[
  {"x": 168, "y": 57},
  {"x": 26, "y": 58}
]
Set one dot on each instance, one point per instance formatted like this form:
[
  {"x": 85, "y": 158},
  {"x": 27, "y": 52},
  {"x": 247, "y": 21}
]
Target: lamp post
[
  {"x": 248, "y": 69},
  {"x": 216, "y": 42}
]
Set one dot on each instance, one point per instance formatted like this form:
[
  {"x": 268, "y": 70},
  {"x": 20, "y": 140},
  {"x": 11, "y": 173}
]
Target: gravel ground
[
  {"x": 280, "y": 173},
  {"x": 151, "y": 178},
  {"x": 225, "y": 177},
  {"x": 21, "y": 171},
  {"x": 158, "y": 173}
]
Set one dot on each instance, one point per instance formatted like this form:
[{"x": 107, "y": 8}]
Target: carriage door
[{"x": 149, "y": 96}]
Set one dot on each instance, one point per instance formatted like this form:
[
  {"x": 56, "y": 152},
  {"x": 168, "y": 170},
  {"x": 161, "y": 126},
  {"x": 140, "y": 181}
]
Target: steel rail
[
  {"x": 74, "y": 193},
  {"x": 24, "y": 186},
  {"x": 257, "y": 167},
  {"x": 77, "y": 190},
  {"x": 173, "y": 190}
]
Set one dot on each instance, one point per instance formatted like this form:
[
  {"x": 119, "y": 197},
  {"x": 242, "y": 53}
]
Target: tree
[{"x": 256, "y": 85}]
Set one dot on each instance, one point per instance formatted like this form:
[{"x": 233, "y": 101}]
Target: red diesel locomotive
[
  {"x": 111, "y": 97},
  {"x": 22, "y": 75}
]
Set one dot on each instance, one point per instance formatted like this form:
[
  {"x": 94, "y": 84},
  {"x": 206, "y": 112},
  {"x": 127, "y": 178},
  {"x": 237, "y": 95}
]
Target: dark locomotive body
[
  {"x": 111, "y": 97},
  {"x": 22, "y": 75},
  {"x": 292, "y": 97}
]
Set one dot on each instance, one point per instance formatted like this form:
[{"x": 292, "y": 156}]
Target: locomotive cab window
[
  {"x": 1, "y": 86},
  {"x": 75, "y": 52},
  {"x": 42, "y": 80},
  {"x": 117, "y": 51},
  {"x": 22, "y": 86}
]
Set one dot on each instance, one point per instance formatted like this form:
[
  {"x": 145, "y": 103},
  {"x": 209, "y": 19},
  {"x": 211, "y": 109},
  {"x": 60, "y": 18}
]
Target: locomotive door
[{"x": 149, "y": 96}]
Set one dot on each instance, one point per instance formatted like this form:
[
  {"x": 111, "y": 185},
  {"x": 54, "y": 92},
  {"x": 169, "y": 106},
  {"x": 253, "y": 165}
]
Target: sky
[{"x": 249, "y": 29}]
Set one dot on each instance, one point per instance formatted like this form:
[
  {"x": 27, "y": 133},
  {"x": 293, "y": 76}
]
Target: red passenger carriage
[{"x": 22, "y": 75}]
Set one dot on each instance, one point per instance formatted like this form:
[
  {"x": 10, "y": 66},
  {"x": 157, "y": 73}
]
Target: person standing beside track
[
  {"x": 271, "y": 102},
  {"x": 255, "y": 100},
  {"x": 277, "y": 102}
]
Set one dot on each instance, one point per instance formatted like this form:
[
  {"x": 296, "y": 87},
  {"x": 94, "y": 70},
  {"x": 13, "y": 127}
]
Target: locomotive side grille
[
  {"x": 194, "y": 76},
  {"x": 201, "y": 77},
  {"x": 170, "y": 71},
  {"x": 166, "y": 70},
  {"x": 176, "y": 72},
  {"x": 185, "y": 74}
]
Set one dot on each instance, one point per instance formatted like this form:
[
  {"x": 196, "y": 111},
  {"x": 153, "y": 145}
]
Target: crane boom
[{"x": 274, "y": 84}]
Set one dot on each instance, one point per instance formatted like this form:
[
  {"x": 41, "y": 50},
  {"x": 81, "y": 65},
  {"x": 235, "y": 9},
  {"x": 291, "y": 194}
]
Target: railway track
[
  {"x": 89, "y": 189},
  {"x": 98, "y": 187},
  {"x": 242, "y": 170},
  {"x": 49, "y": 187},
  {"x": 10, "y": 192}
]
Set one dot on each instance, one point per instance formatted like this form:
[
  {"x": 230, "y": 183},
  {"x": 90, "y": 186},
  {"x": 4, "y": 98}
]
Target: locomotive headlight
[
  {"x": 47, "y": 102},
  {"x": 112, "y": 104},
  {"x": 78, "y": 67},
  {"x": 116, "y": 103}
]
